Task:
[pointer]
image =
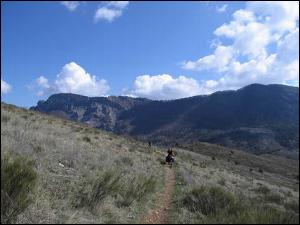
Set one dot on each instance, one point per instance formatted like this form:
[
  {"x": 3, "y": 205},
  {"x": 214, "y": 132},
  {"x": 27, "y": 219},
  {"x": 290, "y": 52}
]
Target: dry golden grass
[{"x": 68, "y": 154}]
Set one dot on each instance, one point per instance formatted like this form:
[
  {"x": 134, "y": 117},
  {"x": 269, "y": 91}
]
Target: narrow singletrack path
[{"x": 159, "y": 215}]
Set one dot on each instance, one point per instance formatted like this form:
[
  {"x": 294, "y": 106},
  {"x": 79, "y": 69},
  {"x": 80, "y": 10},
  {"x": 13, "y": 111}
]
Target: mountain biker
[{"x": 170, "y": 157}]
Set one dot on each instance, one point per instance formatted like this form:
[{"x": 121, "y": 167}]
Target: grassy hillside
[
  {"x": 84, "y": 175},
  {"x": 69, "y": 158}
]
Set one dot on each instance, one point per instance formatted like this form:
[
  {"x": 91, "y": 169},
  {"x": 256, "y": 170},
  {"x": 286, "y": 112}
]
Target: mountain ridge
[{"x": 256, "y": 118}]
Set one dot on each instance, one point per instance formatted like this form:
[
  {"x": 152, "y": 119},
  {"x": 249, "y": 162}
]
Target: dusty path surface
[{"x": 159, "y": 215}]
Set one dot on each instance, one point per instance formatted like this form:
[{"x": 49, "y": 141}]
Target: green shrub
[
  {"x": 18, "y": 180},
  {"x": 268, "y": 195},
  {"x": 202, "y": 165},
  {"x": 87, "y": 139},
  {"x": 262, "y": 190},
  {"x": 222, "y": 181},
  {"x": 137, "y": 189},
  {"x": 93, "y": 190},
  {"x": 25, "y": 117},
  {"x": 5, "y": 118},
  {"x": 124, "y": 160},
  {"x": 208, "y": 201},
  {"x": 37, "y": 149},
  {"x": 77, "y": 129},
  {"x": 214, "y": 205},
  {"x": 248, "y": 213},
  {"x": 162, "y": 161},
  {"x": 274, "y": 197},
  {"x": 293, "y": 205}
]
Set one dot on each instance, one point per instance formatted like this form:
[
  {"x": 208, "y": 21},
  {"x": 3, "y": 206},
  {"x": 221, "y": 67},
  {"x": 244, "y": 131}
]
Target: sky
[{"x": 157, "y": 50}]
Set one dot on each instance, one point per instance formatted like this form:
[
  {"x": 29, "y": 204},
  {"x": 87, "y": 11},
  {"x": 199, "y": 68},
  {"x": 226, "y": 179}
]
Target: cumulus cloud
[
  {"x": 73, "y": 79},
  {"x": 279, "y": 16},
  {"x": 264, "y": 48},
  {"x": 222, "y": 9},
  {"x": 5, "y": 87},
  {"x": 118, "y": 4},
  {"x": 110, "y": 11},
  {"x": 43, "y": 82},
  {"x": 219, "y": 60},
  {"x": 105, "y": 13},
  {"x": 71, "y": 5},
  {"x": 164, "y": 87}
]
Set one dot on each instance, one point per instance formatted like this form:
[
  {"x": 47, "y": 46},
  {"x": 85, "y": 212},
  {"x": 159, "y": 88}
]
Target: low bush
[
  {"x": 124, "y": 160},
  {"x": 208, "y": 201},
  {"x": 222, "y": 182},
  {"x": 262, "y": 190},
  {"x": 214, "y": 205},
  {"x": 25, "y": 117},
  {"x": 87, "y": 139},
  {"x": 93, "y": 190},
  {"x": 5, "y": 118},
  {"x": 293, "y": 205},
  {"x": 248, "y": 213},
  {"x": 136, "y": 190},
  {"x": 18, "y": 181},
  {"x": 202, "y": 165},
  {"x": 274, "y": 198}
]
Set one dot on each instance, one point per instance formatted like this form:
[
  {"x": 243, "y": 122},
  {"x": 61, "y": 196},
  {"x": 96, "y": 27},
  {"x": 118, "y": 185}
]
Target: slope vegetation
[{"x": 85, "y": 175}]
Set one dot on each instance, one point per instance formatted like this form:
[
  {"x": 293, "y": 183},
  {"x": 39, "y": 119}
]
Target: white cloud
[
  {"x": 71, "y": 5},
  {"x": 164, "y": 87},
  {"x": 73, "y": 79},
  {"x": 222, "y": 9},
  {"x": 218, "y": 60},
  {"x": 253, "y": 40},
  {"x": 279, "y": 16},
  {"x": 43, "y": 82},
  {"x": 5, "y": 87},
  {"x": 105, "y": 13},
  {"x": 264, "y": 48},
  {"x": 110, "y": 11},
  {"x": 118, "y": 4},
  {"x": 244, "y": 16},
  {"x": 288, "y": 46}
]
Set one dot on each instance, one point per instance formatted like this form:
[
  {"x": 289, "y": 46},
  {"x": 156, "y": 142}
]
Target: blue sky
[{"x": 158, "y": 50}]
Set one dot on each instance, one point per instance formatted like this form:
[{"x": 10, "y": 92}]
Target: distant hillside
[{"x": 257, "y": 118}]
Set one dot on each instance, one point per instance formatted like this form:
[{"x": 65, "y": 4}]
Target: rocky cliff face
[
  {"x": 98, "y": 112},
  {"x": 257, "y": 118}
]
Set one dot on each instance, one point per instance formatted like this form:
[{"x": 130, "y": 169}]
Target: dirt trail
[{"x": 159, "y": 215}]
